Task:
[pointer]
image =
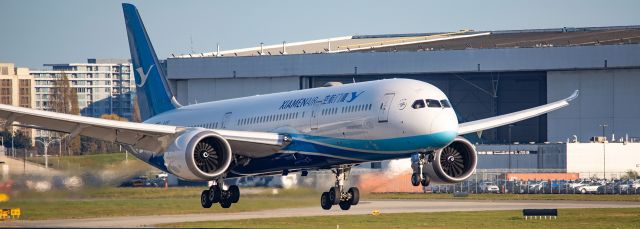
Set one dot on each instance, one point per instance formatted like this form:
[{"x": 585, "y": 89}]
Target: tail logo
[{"x": 143, "y": 76}]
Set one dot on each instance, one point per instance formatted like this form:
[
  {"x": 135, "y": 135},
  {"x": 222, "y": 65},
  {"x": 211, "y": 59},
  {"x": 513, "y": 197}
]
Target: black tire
[
  {"x": 426, "y": 181},
  {"x": 225, "y": 199},
  {"x": 214, "y": 194},
  {"x": 225, "y": 203},
  {"x": 415, "y": 179},
  {"x": 345, "y": 205},
  {"x": 355, "y": 195},
  {"x": 234, "y": 193},
  {"x": 204, "y": 199},
  {"x": 325, "y": 201},
  {"x": 334, "y": 195},
  {"x": 583, "y": 191}
]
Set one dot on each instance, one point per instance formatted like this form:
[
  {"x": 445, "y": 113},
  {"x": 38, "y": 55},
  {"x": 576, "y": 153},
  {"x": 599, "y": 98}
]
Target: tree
[
  {"x": 64, "y": 99},
  {"x": 630, "y": 174},
  {"x": 20, "y": 140},
  {"x": 136, "y": 111}
]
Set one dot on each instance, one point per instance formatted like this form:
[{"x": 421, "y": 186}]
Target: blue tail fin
[{"x": 153, "y": 92}]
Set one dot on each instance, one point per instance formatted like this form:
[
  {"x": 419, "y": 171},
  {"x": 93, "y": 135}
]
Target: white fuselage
[{"x": 363, "y": 117}]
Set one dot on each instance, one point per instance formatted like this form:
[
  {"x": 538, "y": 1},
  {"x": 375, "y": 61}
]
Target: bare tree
[{"x": 64, "y": 99}]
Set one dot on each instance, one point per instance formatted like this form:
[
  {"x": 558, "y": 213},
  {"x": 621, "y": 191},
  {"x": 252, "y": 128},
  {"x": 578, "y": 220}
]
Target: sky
[{"x": 33, "y": 33}]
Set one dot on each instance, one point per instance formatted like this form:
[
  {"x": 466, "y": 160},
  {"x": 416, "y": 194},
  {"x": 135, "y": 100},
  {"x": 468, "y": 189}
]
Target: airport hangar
[{"x": 484, "y": 73}]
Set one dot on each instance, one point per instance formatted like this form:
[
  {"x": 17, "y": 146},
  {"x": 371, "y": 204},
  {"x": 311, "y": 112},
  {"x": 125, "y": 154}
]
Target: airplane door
[
  {"x": 225, "y": 120},
  {"x": 315, "y": 116},
  {"x": 383, "y": 113}
]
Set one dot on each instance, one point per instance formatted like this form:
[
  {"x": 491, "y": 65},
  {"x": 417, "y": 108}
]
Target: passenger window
[
  {"x": 418, "y": 104},
  {"x": 445, "y": 103},
  {"x": 433, "y": 103}
]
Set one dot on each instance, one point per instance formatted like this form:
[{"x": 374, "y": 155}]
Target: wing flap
[{"x": 488, "y": 123}]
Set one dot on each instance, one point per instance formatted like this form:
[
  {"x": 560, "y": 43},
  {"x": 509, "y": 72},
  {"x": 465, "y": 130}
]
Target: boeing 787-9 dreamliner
[{"x": 328, "y": 128}]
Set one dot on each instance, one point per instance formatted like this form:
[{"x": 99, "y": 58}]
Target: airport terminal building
[{"x": 483, "y": 73}]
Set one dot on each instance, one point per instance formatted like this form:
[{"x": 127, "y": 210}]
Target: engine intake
[
  {"x": 454, "y": 163},
  {"x": 199, "y": 154}
]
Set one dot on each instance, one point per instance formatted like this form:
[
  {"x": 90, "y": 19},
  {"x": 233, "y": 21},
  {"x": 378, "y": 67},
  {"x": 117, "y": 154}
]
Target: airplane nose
[
  {"x": 445, "y": 122},
  {"x": 445, "y": 127}
]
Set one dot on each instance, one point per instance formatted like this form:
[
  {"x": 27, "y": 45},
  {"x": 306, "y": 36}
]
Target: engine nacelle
[
  {"x": 199, "y": 155},
  {"x": 454, "y": 163}
]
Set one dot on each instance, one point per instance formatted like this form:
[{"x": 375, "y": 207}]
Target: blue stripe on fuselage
[{"x": 429, "y": 141}]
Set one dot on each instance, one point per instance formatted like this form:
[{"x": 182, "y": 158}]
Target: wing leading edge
[
  {"x": 151, "y": 137},
  {"x": 488, "y": 123}
]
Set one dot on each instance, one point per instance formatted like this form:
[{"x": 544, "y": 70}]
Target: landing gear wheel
[
  {"x": 425, "y": 182},
  {"x": 225, "y": 199},
  {"x": 225, "y": 203},
  {"x": 355, "y": 196},
  {"x": 345, "y": 205},
  {"x": 234, "y": 193},
  {"x": 204, "y": 199},
  {"x": 415, "y": 179},
  {"x": 214, "y": 194},
  {"x": 325, "y": 201},
  {"x": 334, "y": 195}
]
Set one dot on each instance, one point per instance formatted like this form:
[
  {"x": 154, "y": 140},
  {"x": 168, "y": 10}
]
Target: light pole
[
  {"x": 13, "y": 149},
  {"x": 46, "y": 146},
  {"x": 510, "y": 142},
  {"x": 604, "y": 152}
]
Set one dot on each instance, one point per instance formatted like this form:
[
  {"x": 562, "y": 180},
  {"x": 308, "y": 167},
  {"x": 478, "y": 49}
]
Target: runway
[{"x": 365, "y": 207}]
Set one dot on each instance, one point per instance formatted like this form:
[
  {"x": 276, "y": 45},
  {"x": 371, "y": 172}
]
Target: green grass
[
  {"x": 580, "y": 197},
  {"x": 144, "y": 201},
  {"x": 568, "y": 218},
  {"x": 84, "y": 162}
]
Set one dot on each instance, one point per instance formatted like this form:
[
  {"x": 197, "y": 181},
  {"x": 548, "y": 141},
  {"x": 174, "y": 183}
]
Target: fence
[{"x": 503, "y": 182}]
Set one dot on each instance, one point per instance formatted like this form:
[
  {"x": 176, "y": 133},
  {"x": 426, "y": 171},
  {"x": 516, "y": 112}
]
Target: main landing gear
[
  {"x": 216, "y": 194},
  {"x": 338, "y": 195},
  {"x": 419, "y": 176}
]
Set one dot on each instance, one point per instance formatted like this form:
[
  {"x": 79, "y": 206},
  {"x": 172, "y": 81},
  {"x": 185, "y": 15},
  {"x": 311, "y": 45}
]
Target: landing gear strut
[
  {"x": 216, "y": 194},
  {"x": 337, "y": 195},
  {"x": 418, "y": 162}
]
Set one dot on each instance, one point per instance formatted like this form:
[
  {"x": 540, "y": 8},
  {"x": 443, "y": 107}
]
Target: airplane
[{"x": 326, "y": 128}]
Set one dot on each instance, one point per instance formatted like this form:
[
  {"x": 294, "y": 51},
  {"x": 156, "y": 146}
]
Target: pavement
[{"x": 365, "y": 207}]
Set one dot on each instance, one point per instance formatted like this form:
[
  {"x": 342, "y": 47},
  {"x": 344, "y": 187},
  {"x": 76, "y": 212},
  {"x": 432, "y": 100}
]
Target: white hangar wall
[{"x": 589, "y": 159}]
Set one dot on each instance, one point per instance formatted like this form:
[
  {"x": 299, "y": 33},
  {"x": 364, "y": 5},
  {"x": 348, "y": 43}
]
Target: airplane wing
[
  {"x": 151, "y": 137},
  {"x": 488, "y": 123}
]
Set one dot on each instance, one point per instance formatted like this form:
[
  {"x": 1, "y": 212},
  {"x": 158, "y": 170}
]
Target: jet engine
[
  {"x": 198, "y": 154},
  {"x": 454, "y": 163}
]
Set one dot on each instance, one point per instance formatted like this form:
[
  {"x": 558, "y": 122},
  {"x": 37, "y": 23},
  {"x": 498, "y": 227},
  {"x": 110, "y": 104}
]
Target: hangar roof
[{"x": 463, "y": 39}]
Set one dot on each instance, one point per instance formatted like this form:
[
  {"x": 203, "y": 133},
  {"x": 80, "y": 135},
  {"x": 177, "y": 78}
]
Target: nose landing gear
[
  {"x": 216, "y": 194},
  {"x": 337, "y": 194},
  {"x": 419, "y": 176}
]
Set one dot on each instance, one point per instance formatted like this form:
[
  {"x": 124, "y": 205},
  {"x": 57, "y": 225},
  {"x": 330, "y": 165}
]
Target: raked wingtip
[{"x": 573, "y": 96}]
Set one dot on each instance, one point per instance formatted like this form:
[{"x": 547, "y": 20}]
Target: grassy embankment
[{"x": 103, "y": 202}]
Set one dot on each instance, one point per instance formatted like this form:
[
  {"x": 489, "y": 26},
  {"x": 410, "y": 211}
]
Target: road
[{"x": 365, "y": 207}]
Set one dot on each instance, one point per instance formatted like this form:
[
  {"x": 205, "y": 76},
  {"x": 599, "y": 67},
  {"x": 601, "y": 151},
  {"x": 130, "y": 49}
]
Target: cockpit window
[
  {"x": 418, "y": 104},
  {"x": 433, "y": 103},
  {"x": 445, "y": 103}
]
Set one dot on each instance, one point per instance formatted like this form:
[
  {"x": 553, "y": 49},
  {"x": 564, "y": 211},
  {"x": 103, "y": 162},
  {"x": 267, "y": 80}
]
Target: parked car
[
  {"x": 489, "y": 187},
  {"x": 574, "y": 185},
  {"x": 589, "y": 188}
]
